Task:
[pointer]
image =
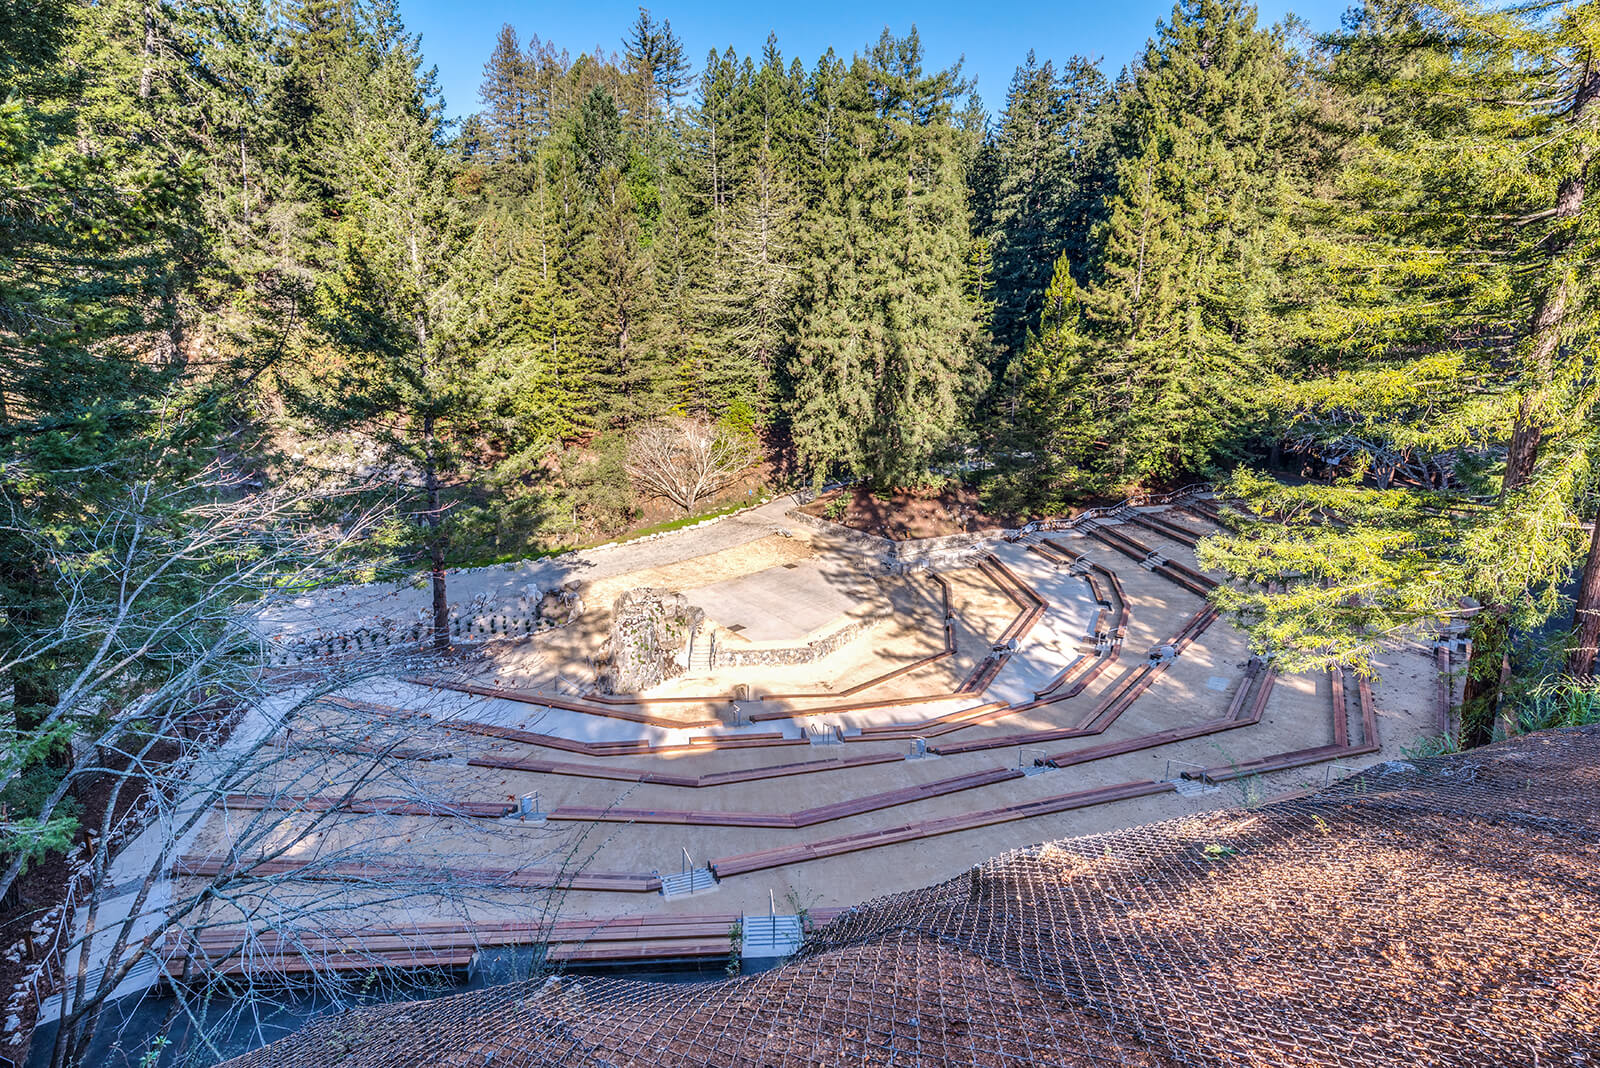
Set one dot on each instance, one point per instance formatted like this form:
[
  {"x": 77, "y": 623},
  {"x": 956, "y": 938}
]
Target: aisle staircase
[
  {"x": 768, "y": 935},
  {"x": 700, "y": 654},
  {"x": 684, "y": 883}
]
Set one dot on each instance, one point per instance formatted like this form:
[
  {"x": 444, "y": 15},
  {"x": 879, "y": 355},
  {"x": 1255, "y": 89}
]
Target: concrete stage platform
[{"x": 781, "y": 603}]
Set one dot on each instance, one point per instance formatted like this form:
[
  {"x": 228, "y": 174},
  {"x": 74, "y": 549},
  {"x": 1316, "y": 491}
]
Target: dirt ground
[{"x": 905, "y": 514}]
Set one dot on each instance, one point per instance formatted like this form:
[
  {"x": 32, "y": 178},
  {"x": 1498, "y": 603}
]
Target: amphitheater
[
  {"x": 1437, "y": 912},
  {"x": 847, "y": 718}
]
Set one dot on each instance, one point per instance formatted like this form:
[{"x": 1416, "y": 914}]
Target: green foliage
[
  {"x": 1048, "y": 158},
  {"x": 596, "y": 483},
  {"x": 1558, "y": 701},
  {"x": 1148, "y": 371},
  {"x": 886, "y": 342},
  {"x": 1447, "y": 366},
  {"x": 33, "y": 836}
]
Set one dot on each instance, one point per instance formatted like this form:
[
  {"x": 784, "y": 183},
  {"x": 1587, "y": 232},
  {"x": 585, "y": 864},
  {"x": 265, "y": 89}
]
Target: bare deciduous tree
[
  {"x": 686, "y": 459},
  {"x": 292, "y": 859}
]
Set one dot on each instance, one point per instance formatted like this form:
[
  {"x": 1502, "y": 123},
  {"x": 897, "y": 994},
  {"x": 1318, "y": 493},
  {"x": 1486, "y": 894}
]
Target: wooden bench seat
[{"x": 745, "y": 863}]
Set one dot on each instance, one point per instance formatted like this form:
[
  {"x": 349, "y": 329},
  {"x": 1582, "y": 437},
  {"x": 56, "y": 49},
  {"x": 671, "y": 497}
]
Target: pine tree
[
  {"x": 107, "y": 410},
  {"x": 757, "y": 251},
  {"x": 613, "y": 265}
]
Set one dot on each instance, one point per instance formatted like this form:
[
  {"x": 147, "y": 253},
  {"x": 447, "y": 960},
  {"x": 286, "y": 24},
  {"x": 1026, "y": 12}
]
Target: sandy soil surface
[
  {"x": 344, "y": 608},
  {"x": 904, "y": 514}
]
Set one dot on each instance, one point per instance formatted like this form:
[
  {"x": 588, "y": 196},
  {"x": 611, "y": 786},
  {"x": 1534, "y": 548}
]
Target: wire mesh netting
[{"x": 1436, "y": 912}]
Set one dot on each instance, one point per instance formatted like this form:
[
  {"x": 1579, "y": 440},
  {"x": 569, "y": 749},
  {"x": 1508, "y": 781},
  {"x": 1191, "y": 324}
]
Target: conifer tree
[
  {"x": 1042, "y": 154},
  {"x": 887, "y": 326},
  {"x": 1458, "y": 334},
  {"x": 1176, "y": 314},
  {"x": 614, "y": 269},
  {"x": 389, "y": 301},
  {"x": 508, "y": 104},
  {"x": 655, "y": 68},
  {"x": 758, "y": 248}
]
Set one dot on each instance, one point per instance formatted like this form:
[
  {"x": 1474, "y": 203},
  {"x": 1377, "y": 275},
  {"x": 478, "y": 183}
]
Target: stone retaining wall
[
  {"x": 371, "y": 639},
  {"x": 949, "y": 551},
  {"x": 799, "y": 654},
  {"x": 858, "y": 540}
]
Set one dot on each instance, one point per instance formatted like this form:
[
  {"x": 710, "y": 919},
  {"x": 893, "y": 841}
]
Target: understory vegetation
[{"x": 270, "y": 320}]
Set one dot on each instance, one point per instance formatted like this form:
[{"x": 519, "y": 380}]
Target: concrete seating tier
[
  {"x": 1232, "y": 720},
  {"x": 1187, "y": 577},
  {"x": 1159, "y": 524},
  {"x": 1341, "y": 748},
  {"x": 808, "y": 817},
  {"x": 546, "y": 700},
  {"x": 693, "y": 782},
  {"x": 373, "y": 805}
]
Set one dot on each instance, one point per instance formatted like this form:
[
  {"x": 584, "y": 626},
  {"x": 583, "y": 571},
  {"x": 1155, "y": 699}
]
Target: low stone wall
[
  {"x": 282, "y": 652},
  {"x": 799, "y": 654},
  {"x": 858, "y": 540},
  {"x": 951, "y": 550}
]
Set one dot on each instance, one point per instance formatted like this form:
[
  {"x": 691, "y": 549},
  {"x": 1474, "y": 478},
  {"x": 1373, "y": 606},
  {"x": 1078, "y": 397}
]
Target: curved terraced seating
[{"x": 1075, "y": 694}]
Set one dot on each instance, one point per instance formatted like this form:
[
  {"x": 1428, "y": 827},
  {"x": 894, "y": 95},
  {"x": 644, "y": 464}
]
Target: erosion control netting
[{"x": 1439, "y": 912}]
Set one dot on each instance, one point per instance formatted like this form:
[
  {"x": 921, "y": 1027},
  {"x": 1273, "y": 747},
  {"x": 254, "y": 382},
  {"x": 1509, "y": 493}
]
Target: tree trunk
[
  {"x": 147, "y": 72},
  {"x": 1490, "y": 667},
  {"x": 1586, "y": 616},
  {"x": 441, "y": 603}
]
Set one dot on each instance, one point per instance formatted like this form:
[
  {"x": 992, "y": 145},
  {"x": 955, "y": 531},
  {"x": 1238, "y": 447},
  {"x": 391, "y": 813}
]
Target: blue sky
[{"x": 458, "y": 34}]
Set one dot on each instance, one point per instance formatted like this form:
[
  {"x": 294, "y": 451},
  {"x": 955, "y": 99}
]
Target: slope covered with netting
[{"x": 1436, "y": 912}]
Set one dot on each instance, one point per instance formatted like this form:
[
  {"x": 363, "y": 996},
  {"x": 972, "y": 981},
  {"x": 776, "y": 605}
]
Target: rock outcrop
[{"x": 649, "y": 644}]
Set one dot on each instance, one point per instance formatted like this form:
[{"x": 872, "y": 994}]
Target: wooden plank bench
[
  {"x": 332, "y": 871},
  {"x": 1299, "y": 758},
  {"x": 744, "y": 863},
  {"x": 808, "y": 817},
  {"x": 1165, "y": 527},
  {"x": 451, "y": 807}
]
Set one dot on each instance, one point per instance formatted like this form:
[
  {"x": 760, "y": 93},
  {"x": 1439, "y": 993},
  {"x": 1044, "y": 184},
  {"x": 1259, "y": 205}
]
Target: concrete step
[
  {"x": 693, "y": 881},
  {"x": 767, "y": 936}
]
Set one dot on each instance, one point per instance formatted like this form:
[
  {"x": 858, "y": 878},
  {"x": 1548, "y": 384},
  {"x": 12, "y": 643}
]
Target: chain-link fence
[{"x": 1437, "y": 912}]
